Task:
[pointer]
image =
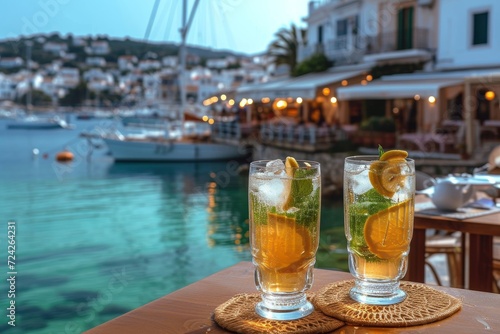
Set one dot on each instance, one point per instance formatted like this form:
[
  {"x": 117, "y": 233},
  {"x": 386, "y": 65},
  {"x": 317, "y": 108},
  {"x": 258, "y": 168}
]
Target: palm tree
[{"x": 285, "y": 47}]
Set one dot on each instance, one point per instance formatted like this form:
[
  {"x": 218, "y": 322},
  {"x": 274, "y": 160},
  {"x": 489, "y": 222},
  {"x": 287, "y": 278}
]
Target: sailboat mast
[
  {"x": 29, "y": 101},
  {"x": 182, "y": 52},
  {"x": 182, "y": 56}
]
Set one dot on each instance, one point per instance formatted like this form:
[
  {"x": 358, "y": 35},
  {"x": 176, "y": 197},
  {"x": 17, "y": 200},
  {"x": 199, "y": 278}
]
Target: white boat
[
  {"x": 190, "y": 144},
  {"x": 33, "y": 122},
  {"x": 181, "y": 146},
  {"x": 165, "y": 150}
]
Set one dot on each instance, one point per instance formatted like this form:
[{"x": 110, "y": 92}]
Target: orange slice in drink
[
  {"x": 394, "y": 155},
  {"x": 290, "y": 166},
  {"x": 281, "y": 242},
  {"x": 385, "y": 174},
  {"x": 388, "y": 232}
]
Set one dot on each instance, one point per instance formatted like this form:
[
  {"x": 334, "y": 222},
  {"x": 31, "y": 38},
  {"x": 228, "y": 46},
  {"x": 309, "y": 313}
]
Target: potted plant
[{"x": 378, "y": 130}]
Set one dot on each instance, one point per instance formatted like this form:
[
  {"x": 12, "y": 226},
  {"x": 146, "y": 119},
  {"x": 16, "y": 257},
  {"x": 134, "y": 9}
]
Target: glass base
[
  {"x": 284, "y": 307},
  {"x": 377, "y": 293}
]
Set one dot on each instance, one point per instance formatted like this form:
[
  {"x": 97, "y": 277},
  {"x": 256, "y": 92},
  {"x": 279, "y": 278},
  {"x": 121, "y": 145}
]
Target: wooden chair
[
  {"x": 441, "y": 242},
  {"x": 496, "y": 264}
]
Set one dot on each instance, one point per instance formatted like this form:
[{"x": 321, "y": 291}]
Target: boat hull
[
  {"x": 34, "y": 125},
  {"x": 165, "y": 151}
]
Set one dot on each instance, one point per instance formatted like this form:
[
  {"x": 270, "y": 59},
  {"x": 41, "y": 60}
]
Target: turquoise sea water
[{"x": 95, "y": 239}]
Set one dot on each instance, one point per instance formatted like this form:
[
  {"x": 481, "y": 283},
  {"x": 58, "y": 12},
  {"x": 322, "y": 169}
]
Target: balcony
[
  {"x": 351, "y": 49},
  {"x": 398, "y": 40},
  {"x": 342, "y": 50}
]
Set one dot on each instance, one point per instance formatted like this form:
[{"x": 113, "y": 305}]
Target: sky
[{"x": 246, "y": 26}]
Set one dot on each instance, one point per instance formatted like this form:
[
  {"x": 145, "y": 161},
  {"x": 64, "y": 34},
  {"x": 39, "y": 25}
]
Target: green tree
[
  {"x": 38, "y": 98},
  {"x": 285, "y": 47},
  {"x": 110, "y": 98},
  {"x": 315, "y": 63},
  {"x": 77, "y": 95}
]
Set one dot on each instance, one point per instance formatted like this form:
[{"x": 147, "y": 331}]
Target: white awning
[
  {"x": 304, "y": 86},
  {"x": 394, "y": 89}
]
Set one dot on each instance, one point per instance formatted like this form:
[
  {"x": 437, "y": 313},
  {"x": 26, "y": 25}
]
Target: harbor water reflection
[{"x": 96, "y": 239}]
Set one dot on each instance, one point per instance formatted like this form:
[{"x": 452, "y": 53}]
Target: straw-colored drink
[
  {"x": 284, "y": 199},
  {"x": 378, "y": 211}
]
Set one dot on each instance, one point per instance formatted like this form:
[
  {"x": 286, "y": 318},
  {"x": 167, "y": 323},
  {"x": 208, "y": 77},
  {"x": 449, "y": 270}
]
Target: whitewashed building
[
  {"x": 98, "y": 80},
  {"x": 456, "y": 88},
  {"x": 219, "y": 63},
  {"x": 127, "y": 62},
  {"x": 79, "y": 41},
  {"x": 149, "y": 64},
  {"x": 98, "y": 48},
  {"x": 425, "y": 64},
  {"x": 55, "y": 48},
  {"x": 151, "y": 85},
  {"x": 95, "y": 61},
  {"x": 7, "y": 88},
  {"x": 11, "y": 62},
  {"x": 469, "y": 34},
  {"x": 350, "y": 32},
  {"x": 170, "y": 61},
  {"x": 67, "y": 77}
]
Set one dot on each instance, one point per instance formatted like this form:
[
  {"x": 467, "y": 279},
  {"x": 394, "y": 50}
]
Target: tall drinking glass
[
  {"x": 284, "y": 200},
  {"x": 379, "y": 195}
]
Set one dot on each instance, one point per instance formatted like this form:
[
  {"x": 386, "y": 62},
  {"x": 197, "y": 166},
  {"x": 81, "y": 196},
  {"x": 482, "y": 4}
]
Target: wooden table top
[
  {"x": 189, "y": 310},
  {"x": 488, "y": 224}
]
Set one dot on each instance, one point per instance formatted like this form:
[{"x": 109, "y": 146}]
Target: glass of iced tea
[
  {"x": 379, "y": 195},
  {"x": 284, "y": 200}
]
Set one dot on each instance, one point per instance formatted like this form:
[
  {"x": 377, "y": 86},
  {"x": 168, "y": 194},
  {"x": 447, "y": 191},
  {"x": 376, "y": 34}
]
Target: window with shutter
[{"x": 480, "y": 28}]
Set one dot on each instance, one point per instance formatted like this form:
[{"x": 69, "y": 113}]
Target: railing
[
  {"x": 309, "y": 137},
  {"x": 317, "y": 4},
  {"x": 351, "y": 48},
  {"x": 227, "y": 130},
  {"x": 397, "y": 40},
  {"x": 301, "y": 137},
  {"x": 346, "y": 49}
]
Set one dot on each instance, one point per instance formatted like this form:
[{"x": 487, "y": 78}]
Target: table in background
[
  {"x": 189, "y": 310},
  {"x": 478, "y": 250}
]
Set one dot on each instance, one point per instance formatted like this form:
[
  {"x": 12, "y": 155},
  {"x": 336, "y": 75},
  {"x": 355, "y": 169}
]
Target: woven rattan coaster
[
  {"x": 238, "y": 315},
  {"x": 422, "y": 305}
]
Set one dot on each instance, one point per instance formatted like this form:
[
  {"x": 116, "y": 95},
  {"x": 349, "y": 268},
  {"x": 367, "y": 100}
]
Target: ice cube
[
  {"x": 361, "y": 186},
  {"x": 271, "y": 192},
  {"x": 275, "y": 166}
]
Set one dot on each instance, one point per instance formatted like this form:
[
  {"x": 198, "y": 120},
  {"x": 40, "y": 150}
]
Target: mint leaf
[
  {"x": 301, "y": 185},
  {"x": 380, "y": 151},
  {"x": 309, "y": 210},
  {"x": 366, "y": 205},
  {"x": 258, "y": 210}
]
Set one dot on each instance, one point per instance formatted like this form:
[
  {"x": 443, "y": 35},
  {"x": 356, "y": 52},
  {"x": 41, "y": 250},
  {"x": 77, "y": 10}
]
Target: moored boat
[
  {"x": 33, "y": 122},
  {"x": 187, "y": 141},
  {"x": 180, "y": 144},
  {"x": 170, "y": 150}
]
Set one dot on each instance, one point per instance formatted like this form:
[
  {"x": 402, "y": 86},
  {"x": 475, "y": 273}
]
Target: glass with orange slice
[
  {"x": 284, "y": 205},
  {"x": 379, "y": 196}
]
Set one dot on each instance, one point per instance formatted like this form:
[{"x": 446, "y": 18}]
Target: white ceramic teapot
[{"x": 447, "y": 194}]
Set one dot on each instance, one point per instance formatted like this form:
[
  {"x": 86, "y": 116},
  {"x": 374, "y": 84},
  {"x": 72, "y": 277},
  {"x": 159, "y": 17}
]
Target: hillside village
[{"x": 104, "y": 72}]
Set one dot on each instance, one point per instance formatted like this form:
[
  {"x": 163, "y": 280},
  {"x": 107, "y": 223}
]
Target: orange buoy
[{"x": 64, "y": 156}]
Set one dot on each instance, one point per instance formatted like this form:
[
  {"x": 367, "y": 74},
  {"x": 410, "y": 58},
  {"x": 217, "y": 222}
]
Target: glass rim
[
  {"x": 262, "y": 163},
  {"x": 362, "y": 159},
  {"x": 259, "y": 166}
]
